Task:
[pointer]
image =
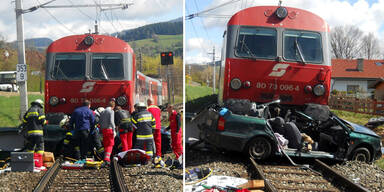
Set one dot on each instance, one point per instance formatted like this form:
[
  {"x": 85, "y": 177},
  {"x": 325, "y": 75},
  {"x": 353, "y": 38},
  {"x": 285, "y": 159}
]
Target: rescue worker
[
  {"x": 123, "y": 123},
  {"x": 176, "y": 133},
  {"x": 34, "y": 120},
  {"x": 94, "y": 137},
  {"x": 156, "y": 113},
  {"x": 82, "y": 119},
  {"x": 143, "y": 122},
  {"x": 108, "y": 128}
]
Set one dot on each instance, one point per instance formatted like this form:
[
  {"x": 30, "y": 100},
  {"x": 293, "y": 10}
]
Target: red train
[
  {"x": 96, "y": 67},
  {"x": 272, "y": 52}
]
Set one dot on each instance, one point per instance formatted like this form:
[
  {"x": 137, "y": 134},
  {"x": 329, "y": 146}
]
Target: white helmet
[
  {"x": 100, "y": 109},
  {"x": 140, "y": 105},
  {"x": 38, "y": 102}
]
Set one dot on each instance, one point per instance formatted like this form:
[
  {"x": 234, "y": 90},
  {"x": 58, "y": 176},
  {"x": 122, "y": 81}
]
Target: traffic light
[{"x": 166, "y": 58}]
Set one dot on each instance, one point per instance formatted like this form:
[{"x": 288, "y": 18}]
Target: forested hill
[{"x": 174, "y": 27}]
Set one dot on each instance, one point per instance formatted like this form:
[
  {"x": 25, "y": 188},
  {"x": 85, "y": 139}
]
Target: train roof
[
  {"x": 149, "y": 78},
  {"x": 81, "y": 43},
  {"x": 265, "y": 16}
]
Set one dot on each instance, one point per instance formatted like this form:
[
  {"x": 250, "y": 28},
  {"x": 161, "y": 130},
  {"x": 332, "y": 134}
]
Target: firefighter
[
  {"x": 143, "y": 122},
  {"x": 156, "y": 113},
  {"x": 34, "y": 120},
  {"x": 82, "y": 119},
  {"x": 108, "y": 128},
  {"x": 123, "y": 123},
  {"x": 176, "y": 133}
]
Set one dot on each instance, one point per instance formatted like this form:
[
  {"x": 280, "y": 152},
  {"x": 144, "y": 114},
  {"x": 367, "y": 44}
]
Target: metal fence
[{"x": 357, "y": 105}]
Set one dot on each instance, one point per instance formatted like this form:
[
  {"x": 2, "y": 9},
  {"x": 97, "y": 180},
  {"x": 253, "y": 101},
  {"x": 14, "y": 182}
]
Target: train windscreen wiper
[
  {"x": 103, "y": 70},
  {"x": 65, "y": 77},
  {"x": 298, "y": 48},
  {"x": 247, "y": 50}
]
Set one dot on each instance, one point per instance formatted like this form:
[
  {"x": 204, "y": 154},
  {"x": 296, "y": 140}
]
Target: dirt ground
[{"x": 9, "y": 94}]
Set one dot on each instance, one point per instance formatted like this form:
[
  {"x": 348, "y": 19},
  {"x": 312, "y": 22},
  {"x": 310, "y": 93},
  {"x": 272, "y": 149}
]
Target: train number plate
[{"x": 277, "y": 86}]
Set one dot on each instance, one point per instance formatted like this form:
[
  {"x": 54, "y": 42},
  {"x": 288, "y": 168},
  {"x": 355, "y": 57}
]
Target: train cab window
[
  {"x": 299, "y": 45},
  {"x": 255, "y": 42},
  {"x": 107, "y": 66},
  {"x": 69, "y": 67}
]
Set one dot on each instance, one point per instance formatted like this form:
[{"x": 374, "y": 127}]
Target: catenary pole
[{"x": 21, "y": 56}]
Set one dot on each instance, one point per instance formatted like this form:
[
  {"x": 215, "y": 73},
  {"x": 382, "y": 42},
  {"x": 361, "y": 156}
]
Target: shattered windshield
[
  {"x": 256, "y": 42},
  {"x": 107, "y": 66},
  {"x": 302, "y": 46},
  {"x": 69, "y": 67}
]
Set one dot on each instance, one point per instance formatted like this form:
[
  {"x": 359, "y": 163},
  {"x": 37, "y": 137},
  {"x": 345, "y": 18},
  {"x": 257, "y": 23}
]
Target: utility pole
[
  {"x": 21, "y": 56},
  {"x": 214, "y": 70}
]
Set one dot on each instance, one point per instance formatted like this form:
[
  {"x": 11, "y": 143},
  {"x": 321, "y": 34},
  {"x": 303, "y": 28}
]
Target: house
[{"x": 361, "y": 76}]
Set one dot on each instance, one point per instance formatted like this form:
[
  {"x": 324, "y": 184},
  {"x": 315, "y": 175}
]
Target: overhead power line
[{"x": 201, "y": 13}]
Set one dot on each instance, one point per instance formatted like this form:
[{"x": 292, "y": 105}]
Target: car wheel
[
  {"x": 259, "y": 148},
  {"x": 361, "y": 154}
]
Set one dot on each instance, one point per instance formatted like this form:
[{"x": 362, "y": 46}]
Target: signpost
[{"x": 21, "y": 72}]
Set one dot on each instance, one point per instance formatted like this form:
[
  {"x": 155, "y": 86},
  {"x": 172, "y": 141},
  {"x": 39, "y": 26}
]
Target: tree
[
  {"x": 346, "y": 42},
  {"x": 370, "y": 48}
]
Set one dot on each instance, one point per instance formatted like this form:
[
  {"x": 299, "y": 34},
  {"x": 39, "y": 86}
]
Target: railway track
[
  {"x": 104, "y": 179},
  {"x": 319, "y": 177}
]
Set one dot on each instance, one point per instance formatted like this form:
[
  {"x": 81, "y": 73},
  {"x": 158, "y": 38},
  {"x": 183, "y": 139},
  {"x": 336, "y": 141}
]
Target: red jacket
[
  {"x": 156, "y": 113},
  {"x": 175, "y": 122}
]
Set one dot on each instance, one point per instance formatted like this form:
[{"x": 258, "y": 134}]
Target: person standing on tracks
[
  {"x": 124, "y": 125},
  {"x": 176, "y": 133},
  {"x": 156, "y": 113},
  {"x": 82, "y": 119},
  {"x": 143, "y": 122},
  {"x": 34, "y": 120},
  {"x": 108, "y": 128}
]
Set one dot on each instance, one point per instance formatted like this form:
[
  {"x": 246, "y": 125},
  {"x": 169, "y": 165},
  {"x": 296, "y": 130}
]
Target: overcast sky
[
  {"x": 68, "y": 21},
  {"x": 202, "y": 33}
]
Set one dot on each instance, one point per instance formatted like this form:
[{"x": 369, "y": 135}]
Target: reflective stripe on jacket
[
  {"x": 144, "y": 122},
  {"x": 34, "y": 119}
]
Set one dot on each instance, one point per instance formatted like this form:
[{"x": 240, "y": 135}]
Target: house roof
[{"x": 372, "y": 69}]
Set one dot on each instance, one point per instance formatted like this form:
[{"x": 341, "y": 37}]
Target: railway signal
[{"x": 166, "y": 58}]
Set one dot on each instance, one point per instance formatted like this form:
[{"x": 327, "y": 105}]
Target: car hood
[{"x": 361, "y": 129}]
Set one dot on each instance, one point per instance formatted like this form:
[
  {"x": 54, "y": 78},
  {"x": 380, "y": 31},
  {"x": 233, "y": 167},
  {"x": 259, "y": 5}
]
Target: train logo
[
  {"x": 279, "y": 70},
  {"x": 87, "y": 87}
]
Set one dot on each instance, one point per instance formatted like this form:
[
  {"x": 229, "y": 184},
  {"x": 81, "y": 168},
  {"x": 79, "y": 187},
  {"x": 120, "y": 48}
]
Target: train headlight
[
  {"x": 88, "y": 40},
  {"x": 319, "y": 90},
  {"x": 281, "y": 13},
  {"x": 122, "y": 100},
  {"x": 53, "y": 101},
  {"x": 235, "y": 83}
]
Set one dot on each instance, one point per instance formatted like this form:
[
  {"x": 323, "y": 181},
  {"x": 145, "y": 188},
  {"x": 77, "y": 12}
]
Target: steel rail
[
  {"x": 337, "y": 178},
  {"x": 48, "y": 177},
  {"x": 117, "y": 177},
  {"x": 267, "y": 184}
]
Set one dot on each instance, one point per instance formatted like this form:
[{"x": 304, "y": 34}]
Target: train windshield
[
  {"x": 302, "y": 46},
  {"x": 256, "y": 42},
  {"x": 107, "y": 66},
  {"x": 69, "y": 67}
]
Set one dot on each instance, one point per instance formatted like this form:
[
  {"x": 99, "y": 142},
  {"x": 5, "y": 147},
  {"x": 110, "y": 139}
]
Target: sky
[
  {"x": 55, "y": 23},
  {"x": 204, "y": 33}
]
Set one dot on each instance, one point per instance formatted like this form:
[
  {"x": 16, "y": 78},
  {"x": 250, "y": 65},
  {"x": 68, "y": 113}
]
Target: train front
[
  {"x": 94, "y": 67},
  {"x": 273, "y": 53}
]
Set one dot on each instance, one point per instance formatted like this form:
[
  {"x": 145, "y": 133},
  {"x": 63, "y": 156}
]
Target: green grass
[
  {"x": 194, "y": 92},
  {"x": 357, "y": 118},
  {"x": 164, "y": 43},
  {"x": 10, "y": 109},
  {"x": 380, "y": 163}
]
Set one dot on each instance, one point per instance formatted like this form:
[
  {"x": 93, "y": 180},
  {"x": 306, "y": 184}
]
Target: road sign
[{"x": 21, "y": 72}]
